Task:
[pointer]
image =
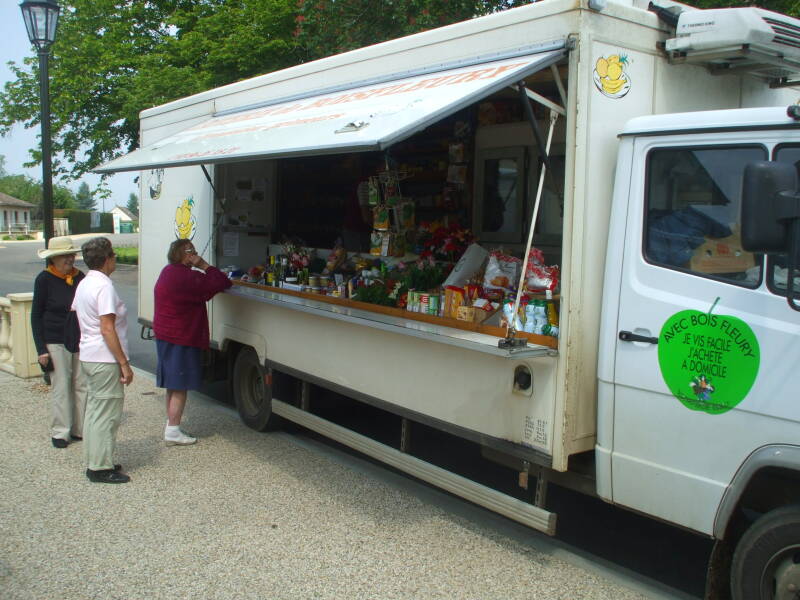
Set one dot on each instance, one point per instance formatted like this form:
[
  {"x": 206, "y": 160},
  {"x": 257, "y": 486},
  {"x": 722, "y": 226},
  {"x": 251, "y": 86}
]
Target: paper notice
[{"x": 230, "y": 244}]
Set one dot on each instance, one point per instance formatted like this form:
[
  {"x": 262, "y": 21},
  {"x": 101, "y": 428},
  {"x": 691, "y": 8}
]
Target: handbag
[{"x": 72, "y": 332}]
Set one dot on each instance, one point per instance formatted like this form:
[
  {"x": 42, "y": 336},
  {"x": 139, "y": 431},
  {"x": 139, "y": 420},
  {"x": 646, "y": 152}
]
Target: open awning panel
[{"x": 363, "y": 118}]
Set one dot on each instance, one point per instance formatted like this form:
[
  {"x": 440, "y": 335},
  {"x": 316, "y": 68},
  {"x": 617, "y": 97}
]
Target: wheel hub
[{"x": 785, "y": 575}]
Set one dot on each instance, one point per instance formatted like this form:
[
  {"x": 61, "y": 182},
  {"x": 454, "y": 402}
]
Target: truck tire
[
  {"x": 766, "y": 563},
  {"x": 253, "y": 397}
]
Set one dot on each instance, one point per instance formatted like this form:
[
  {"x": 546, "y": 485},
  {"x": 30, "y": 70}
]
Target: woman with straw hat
[{"x": 53, "y": 292}]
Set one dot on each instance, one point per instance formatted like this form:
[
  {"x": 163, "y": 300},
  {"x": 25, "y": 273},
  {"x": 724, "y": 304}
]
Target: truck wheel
[
  {"x": 766, "y": 564},
  {"x": 253, "y": 397}
]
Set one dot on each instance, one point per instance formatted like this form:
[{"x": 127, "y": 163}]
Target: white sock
[{"x": 173, "y": 430}]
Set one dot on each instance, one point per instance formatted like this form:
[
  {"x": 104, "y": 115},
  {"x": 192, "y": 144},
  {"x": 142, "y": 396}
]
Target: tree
[
  {"x": 141, "y": 54},
  {"x": 113, "y": 59},
  {"x": 326, "y": 27},
  {"x": 133, "y": 204},
  {"x": 84, "y": 199}
]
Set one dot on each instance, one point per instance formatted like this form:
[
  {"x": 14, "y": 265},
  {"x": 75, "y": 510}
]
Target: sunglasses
[{"x": 190, "y": 251}]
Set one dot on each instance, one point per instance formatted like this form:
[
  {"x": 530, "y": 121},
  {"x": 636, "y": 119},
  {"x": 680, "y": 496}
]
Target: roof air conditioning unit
[{"x": 730, "y": 40}]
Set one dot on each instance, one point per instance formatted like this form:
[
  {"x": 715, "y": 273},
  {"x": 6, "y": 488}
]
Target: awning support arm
[
  {"x": 543, "y": 152},
  {"x": 221, "y": 214},
  {"x": 509, "y": 341},
  {"x": 560, "y": 84}
]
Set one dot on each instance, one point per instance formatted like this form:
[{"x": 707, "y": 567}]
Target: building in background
[
  {"x": 124, "y": 220},
  {"x": 15, "y": 214}
]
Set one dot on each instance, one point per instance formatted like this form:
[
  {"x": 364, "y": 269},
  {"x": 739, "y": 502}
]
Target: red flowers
[{"x": 443, "y": 242}]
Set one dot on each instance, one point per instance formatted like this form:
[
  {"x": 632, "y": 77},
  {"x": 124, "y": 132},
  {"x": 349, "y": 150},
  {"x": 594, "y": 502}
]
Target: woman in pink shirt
[{"x": 180, "y": 325}]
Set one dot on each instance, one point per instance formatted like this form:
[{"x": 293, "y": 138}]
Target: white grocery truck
[{"x": 672, "y": 388}]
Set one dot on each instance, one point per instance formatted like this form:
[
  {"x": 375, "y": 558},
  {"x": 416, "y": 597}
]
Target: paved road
[
  {"x": 19, "y": 266},
  {"x": 598, "y": 533}
]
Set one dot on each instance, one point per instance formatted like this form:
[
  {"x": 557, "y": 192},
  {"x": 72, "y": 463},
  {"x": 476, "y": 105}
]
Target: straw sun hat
[{"x": 58, "y": 246}]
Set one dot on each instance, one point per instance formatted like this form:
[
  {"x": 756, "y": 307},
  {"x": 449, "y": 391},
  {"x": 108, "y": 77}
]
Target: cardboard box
[{"x": 722, "y": 255}]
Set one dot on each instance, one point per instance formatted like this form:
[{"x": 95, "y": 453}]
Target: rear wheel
[
  {"x": 766, "y": 564},
  {"x": 253, "y": 396}
]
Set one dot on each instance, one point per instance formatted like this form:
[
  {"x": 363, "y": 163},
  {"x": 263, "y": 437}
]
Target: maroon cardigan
[{"x": 181, "y": 294}]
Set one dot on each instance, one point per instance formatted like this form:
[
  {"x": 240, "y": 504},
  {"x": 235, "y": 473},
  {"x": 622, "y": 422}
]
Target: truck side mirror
[{"x": 771, "y": 215}]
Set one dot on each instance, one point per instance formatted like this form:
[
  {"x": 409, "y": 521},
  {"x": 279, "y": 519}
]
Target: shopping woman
[
  {"x": 53, "y": 291},
  {"x": 103, "y": 320},
  {"x": 180, "y": 325}
]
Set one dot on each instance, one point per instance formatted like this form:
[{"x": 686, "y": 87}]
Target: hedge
[{"x": 80, "y": 221}]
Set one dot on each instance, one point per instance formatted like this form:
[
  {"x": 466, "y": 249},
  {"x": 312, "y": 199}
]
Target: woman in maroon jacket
[{"x": 180, "y": 325}]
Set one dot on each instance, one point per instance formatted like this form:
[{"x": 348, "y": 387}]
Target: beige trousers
[
  {"x": 68, "y": 393},
  {"x": 103, "y": 413}
]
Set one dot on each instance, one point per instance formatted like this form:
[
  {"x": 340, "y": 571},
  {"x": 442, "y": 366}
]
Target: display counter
[{"x": 474, "y": 336}]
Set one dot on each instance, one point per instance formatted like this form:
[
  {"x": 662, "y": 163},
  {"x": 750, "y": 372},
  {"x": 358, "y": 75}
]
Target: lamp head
[{"x": 41, "y": 18}]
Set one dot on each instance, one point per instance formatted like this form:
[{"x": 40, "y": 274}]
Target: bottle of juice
[{"x": 552, "y": 311}]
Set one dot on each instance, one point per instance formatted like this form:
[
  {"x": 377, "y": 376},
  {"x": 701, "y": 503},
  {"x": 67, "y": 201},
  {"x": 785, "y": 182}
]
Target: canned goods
[
  {"x": 412, "y": 301},
  {"x": 424, "y": 300}
]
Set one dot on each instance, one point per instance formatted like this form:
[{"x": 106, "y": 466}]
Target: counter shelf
[{"x": 473, "y": 336}]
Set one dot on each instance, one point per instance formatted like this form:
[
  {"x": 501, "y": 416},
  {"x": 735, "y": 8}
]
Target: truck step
[{"x": 517, "y": 510}]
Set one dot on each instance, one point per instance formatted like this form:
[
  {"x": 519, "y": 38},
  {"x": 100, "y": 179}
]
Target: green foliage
[
  {"x": 787, "y": 7},
  {"x": 374, "y": 294},
  {"x": 28, "y": 189},
  {"x": 133, "y": 204},
  {"x": 326, "y": 27},
  {"x": 80, "y": 221},
  {"x": 112, "y": 59},
  {"x": 128, "y": 255},
  {"x": 84, "y": 199}
]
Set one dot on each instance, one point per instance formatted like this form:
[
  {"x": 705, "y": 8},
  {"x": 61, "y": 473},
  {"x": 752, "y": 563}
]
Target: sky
[{"x": 15, "y": 146}]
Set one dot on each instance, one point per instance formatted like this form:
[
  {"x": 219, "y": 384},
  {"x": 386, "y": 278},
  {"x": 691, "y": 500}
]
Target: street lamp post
[{"x": 41, "y": 18}]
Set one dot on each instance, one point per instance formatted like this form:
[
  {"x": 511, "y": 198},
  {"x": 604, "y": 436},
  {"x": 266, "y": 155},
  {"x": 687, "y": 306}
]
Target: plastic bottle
[
  {"x": 530, "y": 317},
  {"x": 539, "y": 317},
  {"x": 552, "y": 312}
]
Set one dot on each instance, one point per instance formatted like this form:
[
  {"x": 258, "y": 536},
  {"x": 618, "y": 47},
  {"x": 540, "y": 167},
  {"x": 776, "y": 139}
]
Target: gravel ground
[{"x": 239, "y": 515}]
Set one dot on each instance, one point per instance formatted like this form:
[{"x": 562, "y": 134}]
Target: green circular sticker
[{"x": 709, "y": 362}]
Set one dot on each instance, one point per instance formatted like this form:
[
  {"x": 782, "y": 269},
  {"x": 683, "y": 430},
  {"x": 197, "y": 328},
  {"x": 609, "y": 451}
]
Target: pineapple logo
[
  {"x": 611, "y": 75},
  {"x": 185, "y": 223}
]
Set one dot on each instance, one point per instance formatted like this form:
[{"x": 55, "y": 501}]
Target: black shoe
[
  {"x": 59, "y": 443},
  {"x": 107, "y": 476},
  {"x": 118, "y": 467},
  {"x": 76, "y": 438}
]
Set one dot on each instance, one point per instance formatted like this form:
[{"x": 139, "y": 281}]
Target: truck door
[{"x": 696, "y": 320}]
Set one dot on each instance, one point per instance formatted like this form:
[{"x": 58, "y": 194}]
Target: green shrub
[
  {"x": 80, "y": 221},
  {"x": 128, "y": 255}
]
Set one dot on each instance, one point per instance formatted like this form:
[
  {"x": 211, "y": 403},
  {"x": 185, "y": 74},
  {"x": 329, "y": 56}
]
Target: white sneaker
[{"x": 179, "y": 439}]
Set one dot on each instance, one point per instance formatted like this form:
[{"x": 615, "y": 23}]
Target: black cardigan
[{"x": 52, "y": 300}]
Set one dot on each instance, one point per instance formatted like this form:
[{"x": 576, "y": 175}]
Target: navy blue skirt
[{"x": 179, "y": 367}]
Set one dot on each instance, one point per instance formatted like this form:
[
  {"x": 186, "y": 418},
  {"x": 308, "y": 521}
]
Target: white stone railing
[{"x": 17, "y": 352}]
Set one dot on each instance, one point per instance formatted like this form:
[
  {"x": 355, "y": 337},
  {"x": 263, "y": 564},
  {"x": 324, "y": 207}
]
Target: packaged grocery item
[
  {"x": 538, "y": 276},
  {"x": 484, "y": 309},
  {"x": 502, "y": 272},
  {"x": 376, "y": 242},
  {"x": 380, "y": 218},
  {"x": 374, "y": 191},
  {"x": 466, "y": 313},
  {"x": 509, "y": 317},
  {"x": 470, "y": 263},
  {"x": 453, "y": 299},
  {"x": 407, "y": 212}
]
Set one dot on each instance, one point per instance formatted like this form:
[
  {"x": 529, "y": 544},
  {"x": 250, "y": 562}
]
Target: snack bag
[
  {"x": 502, "y": 272},
  {"x": 335, "y": 258},
  {"x": 538, "y": 276}
]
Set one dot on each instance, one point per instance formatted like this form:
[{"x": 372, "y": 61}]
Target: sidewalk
[{"x": 239, "y": 515}]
